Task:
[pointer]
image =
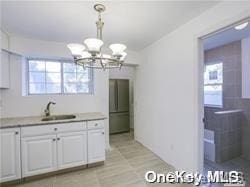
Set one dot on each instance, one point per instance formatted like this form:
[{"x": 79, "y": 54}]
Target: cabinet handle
[
  {"x": 96, "y": 124},
  {"x": 102, "y": 132},
  {"x": 55, "y": 129},
  {"x": 54, "y": 139},
  {"x": 58, "y": 138},
  {"x": 16, "y": 132}
]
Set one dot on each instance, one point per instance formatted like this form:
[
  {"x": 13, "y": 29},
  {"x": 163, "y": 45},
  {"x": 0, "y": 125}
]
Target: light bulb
[
  {"x": 76, "y": 49},
  {"x": 94, "y": 45},
  {"x": 117, "y": 49},
  {"x": 124, "y": 54},
  {"x": 85, "y": 54},
  {"x": 107, "y": 57}
]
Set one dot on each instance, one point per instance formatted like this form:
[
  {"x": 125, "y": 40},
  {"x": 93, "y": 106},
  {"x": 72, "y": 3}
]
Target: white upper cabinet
[
  {"x": 71, "y": 149},
  {"x": 5, "y": 70},
  {"x": 4, "y": 41},
  {"x": 5, "y": 60},
  {"x": 38, "y": 155},
  {"x": 245, "y": 54},
  {"x": 10, "y": 155}
]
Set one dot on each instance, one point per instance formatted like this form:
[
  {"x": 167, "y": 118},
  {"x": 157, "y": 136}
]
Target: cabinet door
[
  {"x": 96, "y": 145},
  {"x": 10, "y": 155},
  {"x": 38, "y": 154},
  {"x": 4, "y": 70},
  {"x": 72, "y": 149}
]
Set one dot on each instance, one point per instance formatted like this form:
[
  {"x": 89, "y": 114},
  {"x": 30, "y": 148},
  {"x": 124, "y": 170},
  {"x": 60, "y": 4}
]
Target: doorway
[
  {"x": 121, "y": 105},
  {"x": 226, "y": 105}
]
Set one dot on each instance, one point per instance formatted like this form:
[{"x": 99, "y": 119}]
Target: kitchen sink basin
[{"x": 58, "y": 117}]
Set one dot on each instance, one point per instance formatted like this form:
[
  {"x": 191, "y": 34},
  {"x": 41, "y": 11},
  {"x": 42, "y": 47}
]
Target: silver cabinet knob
[
  {"x": 102, "y": 132},
  {"x": 55, "y": 129},
  {"x": 54, "y": 139},
  {"x": 96, "y": 124},
  {"x": 16, "y": 132},
  {"x": 58, "y": 138}
]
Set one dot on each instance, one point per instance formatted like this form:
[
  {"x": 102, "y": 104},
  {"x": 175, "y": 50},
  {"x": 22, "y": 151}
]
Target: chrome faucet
[{"x": 47, "y": 110}]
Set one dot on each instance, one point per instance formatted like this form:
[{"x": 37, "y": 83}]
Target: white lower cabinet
[
  {"x": 10, "y": 154},
  {"x": 38, "y": 155},
  {"x": 96, "y": 145},
  {"x": 71, "y": 149},
  {"x": 41, "y": 149}
]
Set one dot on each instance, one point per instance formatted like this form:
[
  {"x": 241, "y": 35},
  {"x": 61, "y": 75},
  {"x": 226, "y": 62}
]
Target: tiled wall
[
  {"x": 230, "y": 55},
  {"x": 245, "y": 104},
  {"x": 227, "y": 136}
]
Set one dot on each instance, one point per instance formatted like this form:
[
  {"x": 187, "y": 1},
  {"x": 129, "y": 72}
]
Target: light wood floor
[{"x": 125, "y": 165}]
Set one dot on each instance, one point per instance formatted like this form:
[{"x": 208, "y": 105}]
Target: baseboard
[{"x": 49, "y": 174}]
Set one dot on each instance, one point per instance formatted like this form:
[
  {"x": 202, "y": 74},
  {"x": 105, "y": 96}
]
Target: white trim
[
  {"x": 214, "y": 84},
  {"x": 90, "y": 76},
  {"x": 213, "y": 106}
]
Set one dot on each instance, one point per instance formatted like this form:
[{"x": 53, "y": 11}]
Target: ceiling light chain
[
  {"x": 99, "y": 25},
  {"x": 92, "y": 56}
]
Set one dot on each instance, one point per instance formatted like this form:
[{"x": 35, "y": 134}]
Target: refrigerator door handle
[{"x": 116, "y": 95}]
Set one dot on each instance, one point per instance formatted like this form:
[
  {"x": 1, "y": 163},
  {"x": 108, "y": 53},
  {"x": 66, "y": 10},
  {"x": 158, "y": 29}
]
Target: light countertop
[{"x": 37, "y": 120}]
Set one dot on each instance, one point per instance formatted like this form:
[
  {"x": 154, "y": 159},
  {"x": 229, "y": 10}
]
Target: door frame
[{"x": 199, "y": 68}]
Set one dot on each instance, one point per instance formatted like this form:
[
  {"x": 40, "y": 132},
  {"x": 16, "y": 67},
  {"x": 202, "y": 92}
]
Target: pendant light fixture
[{"x": 89, "y": 54}]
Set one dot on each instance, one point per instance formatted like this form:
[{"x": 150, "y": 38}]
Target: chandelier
[{"x": 89, "y": 54}]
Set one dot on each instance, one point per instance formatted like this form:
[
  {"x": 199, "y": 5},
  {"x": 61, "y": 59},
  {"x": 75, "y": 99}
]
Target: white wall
[
  {"x": 14, "y": 104},
  {"x": 50, "y": 49},
  {"x": 167, "y": 95},
  {"x": 127, "y": 72}
]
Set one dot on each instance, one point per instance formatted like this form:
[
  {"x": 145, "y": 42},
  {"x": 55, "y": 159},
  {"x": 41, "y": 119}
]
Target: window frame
[
  {"x": 211, "y": 84},
  {"x": 27, "y": 77}
]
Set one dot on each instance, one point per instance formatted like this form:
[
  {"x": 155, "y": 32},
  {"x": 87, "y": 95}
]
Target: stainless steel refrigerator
[{"x": 118, "y": 105}]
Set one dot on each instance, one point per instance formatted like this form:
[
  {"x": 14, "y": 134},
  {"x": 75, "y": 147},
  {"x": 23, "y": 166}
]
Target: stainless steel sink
[{"x": 58, "y": 117}]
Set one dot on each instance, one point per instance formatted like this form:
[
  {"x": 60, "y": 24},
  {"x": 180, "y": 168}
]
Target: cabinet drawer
[
  {"x": 70, "y": 127},
  {"x": 96, "y": 124},
  {"x": 52, "y": 129},
  {"x": 38, "y": 130}
]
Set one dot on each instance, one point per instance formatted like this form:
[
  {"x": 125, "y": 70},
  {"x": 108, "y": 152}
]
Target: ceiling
[
  {"x": 227, "y": 36},
  {"x": 134, "y": 23}
]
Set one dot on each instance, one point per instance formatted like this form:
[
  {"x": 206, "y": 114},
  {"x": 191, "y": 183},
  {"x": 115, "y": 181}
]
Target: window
[
  {"x": 55, "y": 77},
  {"x": 213, "y": 82}
]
